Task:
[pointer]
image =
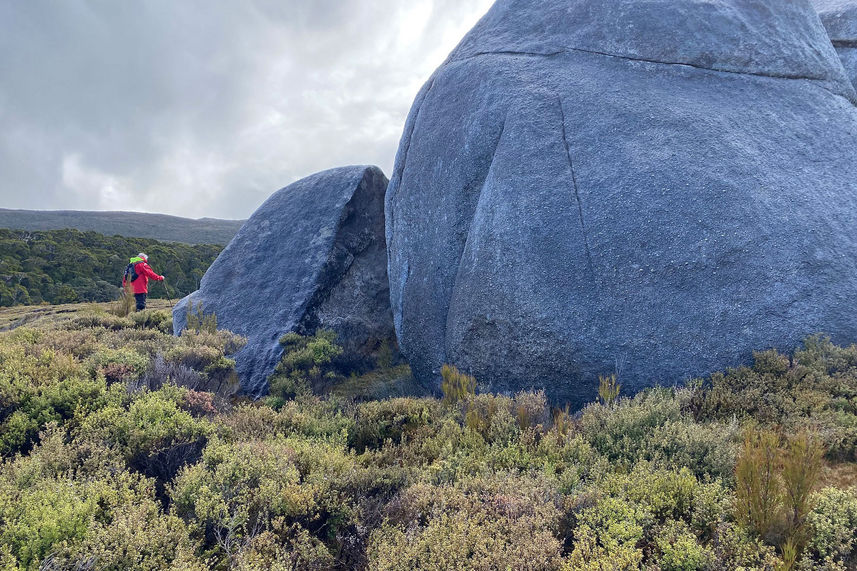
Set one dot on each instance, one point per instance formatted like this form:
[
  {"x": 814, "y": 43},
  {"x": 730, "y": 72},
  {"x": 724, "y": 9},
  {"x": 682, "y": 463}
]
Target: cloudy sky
[{"x": 201, "y": 108}]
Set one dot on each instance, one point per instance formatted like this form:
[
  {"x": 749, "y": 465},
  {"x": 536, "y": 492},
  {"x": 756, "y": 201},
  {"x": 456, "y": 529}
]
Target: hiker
[{"x": 138, "y": 273}]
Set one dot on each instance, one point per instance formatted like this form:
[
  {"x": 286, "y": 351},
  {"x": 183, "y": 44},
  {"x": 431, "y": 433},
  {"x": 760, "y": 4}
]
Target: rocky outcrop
[
  {"x": 313, "y": 255},
  {"x": 655, "y": 187},
  {"x": 840, "y": 19}
]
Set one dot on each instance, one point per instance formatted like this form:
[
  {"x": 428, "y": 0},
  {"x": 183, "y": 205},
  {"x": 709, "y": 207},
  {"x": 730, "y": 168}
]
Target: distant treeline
[
  {"x": 69, "y": 266},
  {"x": 137, "y": 224}
]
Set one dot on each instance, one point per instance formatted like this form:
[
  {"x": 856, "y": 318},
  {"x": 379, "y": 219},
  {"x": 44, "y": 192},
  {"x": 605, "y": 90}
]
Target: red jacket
[{"x": 144, "y": 272}]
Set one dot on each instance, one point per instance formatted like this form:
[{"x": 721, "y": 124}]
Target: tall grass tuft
[
  {"x": 608, "y": 389},
  {"x": 774, "y": 483},
  {"x": 757, "y": 487},
  {"x": 126, "y": 303},
  {"x": 456, "y": 386},
  {"x": 802, "y": 463},
  {"x": 198, "y": 321}
]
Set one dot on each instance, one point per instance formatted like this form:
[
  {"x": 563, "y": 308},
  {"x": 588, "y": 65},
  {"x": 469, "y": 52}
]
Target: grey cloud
[{"x": 200, "y": 108}]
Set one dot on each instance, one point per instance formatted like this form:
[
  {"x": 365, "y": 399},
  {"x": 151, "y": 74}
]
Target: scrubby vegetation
[
  {"x": 69, "y": 266},
  {"x": 125, "y": 448}
]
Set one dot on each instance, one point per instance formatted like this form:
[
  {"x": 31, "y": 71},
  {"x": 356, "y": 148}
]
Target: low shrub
[
  {"x": 198, "y": 321},
  {"x": 39, "y": 388},
  {"x": 307, "y": 365},
  {"x": 152, "y": 421},
  {"x": 284, "y": 547},
  {"x": 158, "y": 319},
  {"x": 832, "y": 524},
  {"x": 651, "y": 427},
  {"x": 54, "y": 517},
  {"x": 815, "y": 388},
  {"x": 99, "y": 320},
  {"x": 226, "y": 342},
  {"x": 735, "y": 548},
  {"x": 494, "y": 523},
  {"x": 241, "y": 490},
  {"x": 610, "y": 530},
  {"x": 310, "y": 417},
  {"x": 679, "y": 549},
  {"x": 237, "y": 489},
  {"x": 161, "y": 372},
  {"x": 130, "y": 362},
  {"x": 379, "y": 421},
  {"x": 196, "y": 357},
  {"x": 137, "y": 536},
  {"x": 608, "y": 389}
]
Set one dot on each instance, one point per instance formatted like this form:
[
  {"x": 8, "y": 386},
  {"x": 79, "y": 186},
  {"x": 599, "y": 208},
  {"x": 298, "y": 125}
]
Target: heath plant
[{"x": 455, "y": 385}]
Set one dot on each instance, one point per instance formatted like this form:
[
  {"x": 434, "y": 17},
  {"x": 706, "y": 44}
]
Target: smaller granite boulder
[
  {"x": 840, "y": 19},
  {"x": 312, "y": 256}
]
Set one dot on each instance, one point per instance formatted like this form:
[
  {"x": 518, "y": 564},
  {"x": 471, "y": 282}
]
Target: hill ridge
[{"x": 165, "y": 227}]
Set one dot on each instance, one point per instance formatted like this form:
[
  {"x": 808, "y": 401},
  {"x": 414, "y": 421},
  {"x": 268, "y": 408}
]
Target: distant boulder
[
  {"x": 313, "y": 255},
  {"x": 654, "y": 187},
  {"x": 840, "y": 19}
]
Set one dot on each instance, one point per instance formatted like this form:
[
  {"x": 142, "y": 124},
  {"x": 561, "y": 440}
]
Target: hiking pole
[{"x": 169, "y": 296}]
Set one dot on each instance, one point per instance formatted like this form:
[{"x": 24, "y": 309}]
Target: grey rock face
[
  {"x": 840, "y": 19},
  {"x": 313, "y": 255},
  {"x": 658, "y": 187}
]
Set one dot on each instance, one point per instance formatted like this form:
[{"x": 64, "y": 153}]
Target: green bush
[
  {"x": 496, "y": 523},
  {"x": 196, "y": 357},
  {"x": 17, "y": 433},
  {"x": 379, "y": 421},
  {"x": 615, "y": 526},
  {"x": 285, "y": 548},
  {"x": 150, "y": 422},
  {"x": 198, "y": 321},
  {"x": 651, "y": 427},
  {"x": 58, "y": 515},
  {"x": 243, "y": 489},
  {"x": 311, "y": 417},
  {"x": 590, "y": 555},
  {"x": 237, "y": 489},
  {"x": 307, "y": 364},
  {"x": 160, "y": 320},
  {"x": 735, "y": 548},
  {"x": 817, "y": 387},
  {"x": 102, "y": 320},
  {"x": 680, "y": 550},
  {"x": 137, "y": 536},
  {"x": 833, "y": 526},
  {"x": 608, "y": 389},
  {"x": 492, "y": 417},
  {"x": 108, "y": 361},
  {"x": 773, "y": 486},
  {"x": 37, "y": 387}
]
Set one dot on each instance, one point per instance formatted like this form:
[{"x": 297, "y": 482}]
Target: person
[{"x": 140, "y": 285}]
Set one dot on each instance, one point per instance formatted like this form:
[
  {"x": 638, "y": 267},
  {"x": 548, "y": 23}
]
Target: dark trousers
[{"x": 141, "y": 301}]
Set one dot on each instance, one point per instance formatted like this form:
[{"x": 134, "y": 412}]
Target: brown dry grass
[
  {"x": 840, "y": 475},
  {"x": 35, "y": 315}
]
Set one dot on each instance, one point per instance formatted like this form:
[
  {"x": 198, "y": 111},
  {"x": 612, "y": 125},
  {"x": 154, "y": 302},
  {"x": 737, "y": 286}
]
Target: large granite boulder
[
  {"x": 313, "y": 255},
  {"x": 654, "y": 187},
  {"x": 840, "y": 19}
]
